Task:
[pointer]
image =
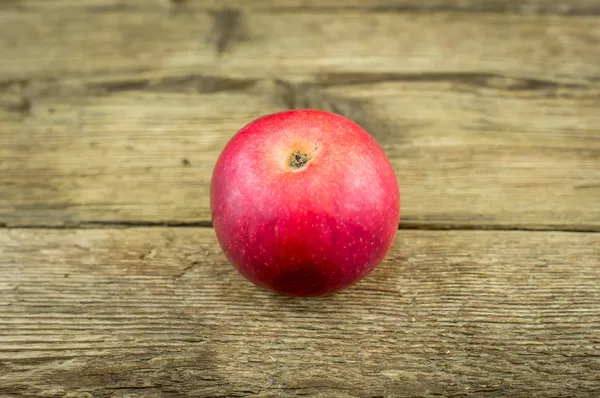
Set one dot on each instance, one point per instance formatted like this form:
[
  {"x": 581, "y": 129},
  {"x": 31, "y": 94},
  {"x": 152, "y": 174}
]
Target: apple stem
[{"x": 299, "y": 159}]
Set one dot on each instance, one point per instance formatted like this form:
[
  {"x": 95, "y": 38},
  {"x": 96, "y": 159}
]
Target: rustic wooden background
[{"x": 112, "y": 114}]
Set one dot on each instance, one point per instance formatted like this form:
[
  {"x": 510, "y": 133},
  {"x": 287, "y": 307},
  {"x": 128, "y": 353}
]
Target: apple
[{"x": 304, "y": 202}]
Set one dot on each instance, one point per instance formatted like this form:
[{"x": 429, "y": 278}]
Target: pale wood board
[
  {"x": 160, "y": 312},
  {"x": 523, "y": 6},
  {"x": 474, "y": 151},
  {"x": 267, "y": 44}
]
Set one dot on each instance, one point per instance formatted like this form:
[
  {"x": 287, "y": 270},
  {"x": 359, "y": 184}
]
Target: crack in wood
[
  {"x": 188, "y": 269},
  {"x": 530, "y": 7},
  {"x": 408, "y": 225},
  {"x": 186, "y": 83},
  {"x": 487, "y": 7},
  {"x": 479, "y": 79},
  {"x": 22, "y": 93}
]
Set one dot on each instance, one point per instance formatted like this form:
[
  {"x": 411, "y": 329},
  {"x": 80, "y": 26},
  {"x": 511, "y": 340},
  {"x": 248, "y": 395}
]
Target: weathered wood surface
[
  {"x": 471, "y": 151},
  {"x": 117, "y": 115},
  {"x": 298, "y": 45},
  {"x": 586, "y": 7},
  {"x": 160, "y": 312},
  {"x": 113, "y": 112}
]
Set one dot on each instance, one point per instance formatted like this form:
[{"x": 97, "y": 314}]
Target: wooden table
[{"x": 112, "y": 114}]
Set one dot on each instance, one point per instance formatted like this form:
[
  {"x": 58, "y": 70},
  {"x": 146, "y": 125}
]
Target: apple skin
[{"x": 310, "y": 227}]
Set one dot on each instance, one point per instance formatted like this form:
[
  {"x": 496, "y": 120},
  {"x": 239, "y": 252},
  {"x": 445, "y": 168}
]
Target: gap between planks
[
  {"x": 528, "y": 7},
  {"x": 407, "y": 226}
]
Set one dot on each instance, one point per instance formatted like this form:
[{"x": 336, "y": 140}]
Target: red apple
[{"x": 304, "y": 202}]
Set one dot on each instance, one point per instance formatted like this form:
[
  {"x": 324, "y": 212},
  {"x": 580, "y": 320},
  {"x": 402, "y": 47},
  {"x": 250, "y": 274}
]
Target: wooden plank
[
  {"x": 298, "y": 44},
  {"x": 130, "y": 157},
  {"x": 462, "y": 148},
  {"x": 475, "y": 152},
  {"x": 160, "y": 312},
  {"x": 528, "y": 6}
]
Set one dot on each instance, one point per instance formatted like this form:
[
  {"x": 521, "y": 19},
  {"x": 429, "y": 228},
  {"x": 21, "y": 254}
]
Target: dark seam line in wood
[
  {"x": 415, "y": 9},
  {"x": 481, "y": 79},
  {"x": 201, "y": 84},
  {"x": 403, "y": 226},
  {"x": 406, "y": 9},
  {"x": 207, "y": 83}
]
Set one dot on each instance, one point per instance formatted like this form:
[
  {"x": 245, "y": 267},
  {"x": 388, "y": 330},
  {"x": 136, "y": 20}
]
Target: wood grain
[
  {"x": 266, "y": 44},
  {"x": 528, "y": 6},
  {"x": 469, "y": 151},
  {"x": 160, "y": 312},
  {"x": 113, "y": 112}
]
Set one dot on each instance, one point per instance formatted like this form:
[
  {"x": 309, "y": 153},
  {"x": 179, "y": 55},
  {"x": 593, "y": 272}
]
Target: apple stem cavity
[{"x": 299, "y": 159}]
